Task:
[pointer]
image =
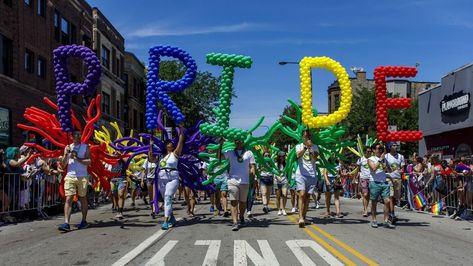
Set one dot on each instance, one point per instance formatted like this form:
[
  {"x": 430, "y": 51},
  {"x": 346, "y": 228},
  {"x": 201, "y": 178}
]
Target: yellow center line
[
  {"x": 329, "y": 247},
  {"x": 326, "y": 245},
  {"x": 345, "y": 246}
]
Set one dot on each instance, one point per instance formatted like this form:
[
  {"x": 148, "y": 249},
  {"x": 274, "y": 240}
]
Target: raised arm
[{"x": 180, "y": 144}]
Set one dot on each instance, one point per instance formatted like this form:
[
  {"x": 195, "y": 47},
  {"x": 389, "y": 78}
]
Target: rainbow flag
[
  {"x": 437, "y": 207},
  {"x": 420, "y": 201}
]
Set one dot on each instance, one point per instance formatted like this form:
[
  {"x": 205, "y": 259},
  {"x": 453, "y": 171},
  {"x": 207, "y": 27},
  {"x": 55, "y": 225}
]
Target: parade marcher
[
  {"x": 76, "y": 158},
  {"x": 333, "y": 185},
  {"x": 294, "y": 197},
  {"x": 120, "y": 185},
  {"x": 168, "y": 180},
  {"x": 266, "y": 185},
  {"x": 378, "y": 186},
  {"x": 395, "y": 165},
  {"x": 242, "y": 165},
  {"x": 148, "y": 176},
  {"x": 281, "y": 185},
  {"x": 364, "y": 176},
  {"x": 221, "y": 187},
  {"x": 306, "y": 174}
]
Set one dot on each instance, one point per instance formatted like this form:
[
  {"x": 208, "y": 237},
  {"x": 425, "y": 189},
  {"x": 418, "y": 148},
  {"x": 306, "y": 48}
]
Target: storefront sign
[
  {"x": 5, "y": 129},
  {"x": 457, "y": 103}
]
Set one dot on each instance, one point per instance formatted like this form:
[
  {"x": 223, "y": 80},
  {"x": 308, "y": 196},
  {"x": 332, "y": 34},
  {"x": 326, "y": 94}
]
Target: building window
[
  {"x": 118, "y": 110},
  {"x": 106, "y": 103},
  {"x": 57, "y": 26},
  {"x": 6, "y": 51},
  {"x": 105, "y": 57},
  {"x": 41, "y": 7},
  {"x": 135, "y": 119},
  {"x": 125, "y": 78},
  {"x": 135, "y": 90},
  {"x": 28, "y": 3},
  {"x": 86, "y": 41},
  {"x": 7, "y": 2},
  {"x": 29, "y": 61},
  {"x": 41, "y": 68},
  {"x": 64, "y": 31},
  {"x": 337, "y": 100},
  {"x": 118, "y": 67},
  {"x": 142, "y": 122}
]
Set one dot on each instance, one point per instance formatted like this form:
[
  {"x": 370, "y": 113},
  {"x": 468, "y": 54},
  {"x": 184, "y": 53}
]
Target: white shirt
[
  {"x": 168, "y": 167},
  {"x": 149, "y": 169},
  {"x": 364, "y": 168},
  {"x": 395, "y": 164},
  {"x": 240, "y": 171},
  {"x": 76, "y": 169},
  {"x": 379, "y": 175},
  {"x": 305, "y": 166}
]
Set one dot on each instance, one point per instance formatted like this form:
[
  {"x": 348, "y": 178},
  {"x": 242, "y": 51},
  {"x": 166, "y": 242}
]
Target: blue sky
[{"x": 437, "y": 34}]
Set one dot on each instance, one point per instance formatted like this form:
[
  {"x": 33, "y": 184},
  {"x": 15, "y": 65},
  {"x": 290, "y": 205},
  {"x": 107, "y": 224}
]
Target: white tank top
[
  {"x": 76, "y": 169},
  {"x": 168, "y": 167}
]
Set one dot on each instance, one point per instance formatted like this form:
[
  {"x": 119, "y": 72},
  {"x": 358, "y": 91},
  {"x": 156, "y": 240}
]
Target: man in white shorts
[
  {"x": 306, "y": 173},
  {"x": 242, "y": 164}
]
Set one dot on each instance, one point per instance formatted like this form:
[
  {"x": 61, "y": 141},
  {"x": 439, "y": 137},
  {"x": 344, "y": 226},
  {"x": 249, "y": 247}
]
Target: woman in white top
[
  {"x": 168, "y": 177},
  {"x": 281, "y": 185}
]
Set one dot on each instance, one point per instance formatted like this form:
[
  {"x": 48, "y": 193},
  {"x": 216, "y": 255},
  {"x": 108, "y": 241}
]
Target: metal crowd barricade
[{"x": 17, "y": 195}]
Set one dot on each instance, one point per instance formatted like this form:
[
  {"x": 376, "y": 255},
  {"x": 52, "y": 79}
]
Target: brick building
[
  {"x": 134, "y": 93},
  {"x": 109, "y": 46},
  {"x": 402, "y": 87},
  {"x": 29, "y": 31}
]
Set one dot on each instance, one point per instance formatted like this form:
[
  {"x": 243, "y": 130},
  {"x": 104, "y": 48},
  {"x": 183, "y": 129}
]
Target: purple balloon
[{"x": 66, "y": 89}]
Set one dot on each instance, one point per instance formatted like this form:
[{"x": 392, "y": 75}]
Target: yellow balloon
[{"x": 337, "y": 69}]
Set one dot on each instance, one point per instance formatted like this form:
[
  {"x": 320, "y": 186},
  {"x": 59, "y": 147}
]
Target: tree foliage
[{"x": 197, "y": 101}]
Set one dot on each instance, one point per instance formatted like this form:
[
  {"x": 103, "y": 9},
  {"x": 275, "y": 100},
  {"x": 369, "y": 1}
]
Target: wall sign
[
  {"x": 457, "y": 103},
  {"x": 5, "y": 128}
]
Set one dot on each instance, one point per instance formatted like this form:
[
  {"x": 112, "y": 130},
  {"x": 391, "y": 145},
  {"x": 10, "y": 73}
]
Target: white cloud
[
  {"x": 172, "y": 30},
  {"x": 462, "y": 23}
]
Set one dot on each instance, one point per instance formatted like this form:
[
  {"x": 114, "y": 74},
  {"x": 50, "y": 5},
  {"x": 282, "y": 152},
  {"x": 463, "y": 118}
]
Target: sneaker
[
  {"x": 454, "y": 215},
  {"x": 249, "y": 214},
  {"x": 374, "y": 224},
  {"x": 220, "y": 208},
  {"x": 119, "y": 216},
  {"x": 279, "y": 212},
  {"x": 172, "y": 221},
  {"x": 82, "y": 225},
  {"x": 165, "y": 226},
  {"x": 235, "y": 227},
  {"x": 389, "y": 224},
  {"x": 294, "y": 210},
  {"x": 132, "y": 205},
  {"x": 317, "y": 205},
  {"x": 301, "y": 223},
  {"x": 284, "y": 213},
  {"x": 114, "y": 210},
  {"x": 242, "y": 221},
  {"x": 394, "y": 219},
  {"x": 265, "y": 209},
  {"x": 212, "y": 209},
  {"x": 145, "y": 201},
  {"x": 64, "y": 227},
  {"x": 226, "y": 214}
]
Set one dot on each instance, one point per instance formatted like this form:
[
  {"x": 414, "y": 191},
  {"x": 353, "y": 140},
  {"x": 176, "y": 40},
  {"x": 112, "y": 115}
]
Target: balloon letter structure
[
  {"x": 306, "y": 91},
  {"x": 66, "y": 89},
  {"x": 221, "y": 128},
  {"x": 157, "y": 89},
  {"x": 383, "y": 103}
]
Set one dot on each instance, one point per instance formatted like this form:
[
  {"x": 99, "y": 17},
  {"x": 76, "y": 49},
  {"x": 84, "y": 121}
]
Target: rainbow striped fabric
[
  {"x": 420, "y": 201},
  {"x": 437, "y": 208}
]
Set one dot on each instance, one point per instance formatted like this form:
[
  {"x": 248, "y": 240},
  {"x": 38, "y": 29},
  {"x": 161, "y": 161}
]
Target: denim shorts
[{"x": 379, "y": 189}]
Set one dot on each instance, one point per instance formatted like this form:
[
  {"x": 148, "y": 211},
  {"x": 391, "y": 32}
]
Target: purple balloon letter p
[{"x": 66, "y": 89}]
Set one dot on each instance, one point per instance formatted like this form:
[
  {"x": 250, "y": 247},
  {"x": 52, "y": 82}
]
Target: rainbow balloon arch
[{"x": 201, "y": 138}]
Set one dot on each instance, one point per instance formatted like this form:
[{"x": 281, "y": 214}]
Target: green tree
[
  {"x": 197, "y": 101},
  {"x": 279, "y": 138}
]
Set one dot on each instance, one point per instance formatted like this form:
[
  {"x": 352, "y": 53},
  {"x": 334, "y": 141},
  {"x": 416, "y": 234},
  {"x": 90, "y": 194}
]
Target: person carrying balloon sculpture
[
  {"x": 378, "y": 186},
  {"x": 147, "y": 178},
  {"x": 306, "y": 174},
  {"x": 242, "y": 165},
  {"x": 333, "y": 185},
  {"x": 395, "y": 162},
  {"x": 364, "y": 175},
  {"x": 266, "y": 184},
  {"x": 168, "y": 177},
  {"x": 76, "y": 158}
]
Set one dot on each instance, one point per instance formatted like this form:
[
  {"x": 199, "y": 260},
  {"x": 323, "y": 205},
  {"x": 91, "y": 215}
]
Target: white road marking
[
  {"x": 140, "y": 248},
  {"x": 158, "y": 258},
  {"x": 297, "y": 245},
  {"x": 242, "y": 250},
  {"x": 211, "y": 257}
]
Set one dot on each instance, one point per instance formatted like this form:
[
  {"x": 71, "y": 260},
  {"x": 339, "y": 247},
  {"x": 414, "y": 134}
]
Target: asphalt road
[{"x": 268, "y": 239}]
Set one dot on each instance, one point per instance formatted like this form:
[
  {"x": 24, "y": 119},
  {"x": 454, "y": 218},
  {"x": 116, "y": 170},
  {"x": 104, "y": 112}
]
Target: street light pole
[{"x": 283, "y": 63}]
